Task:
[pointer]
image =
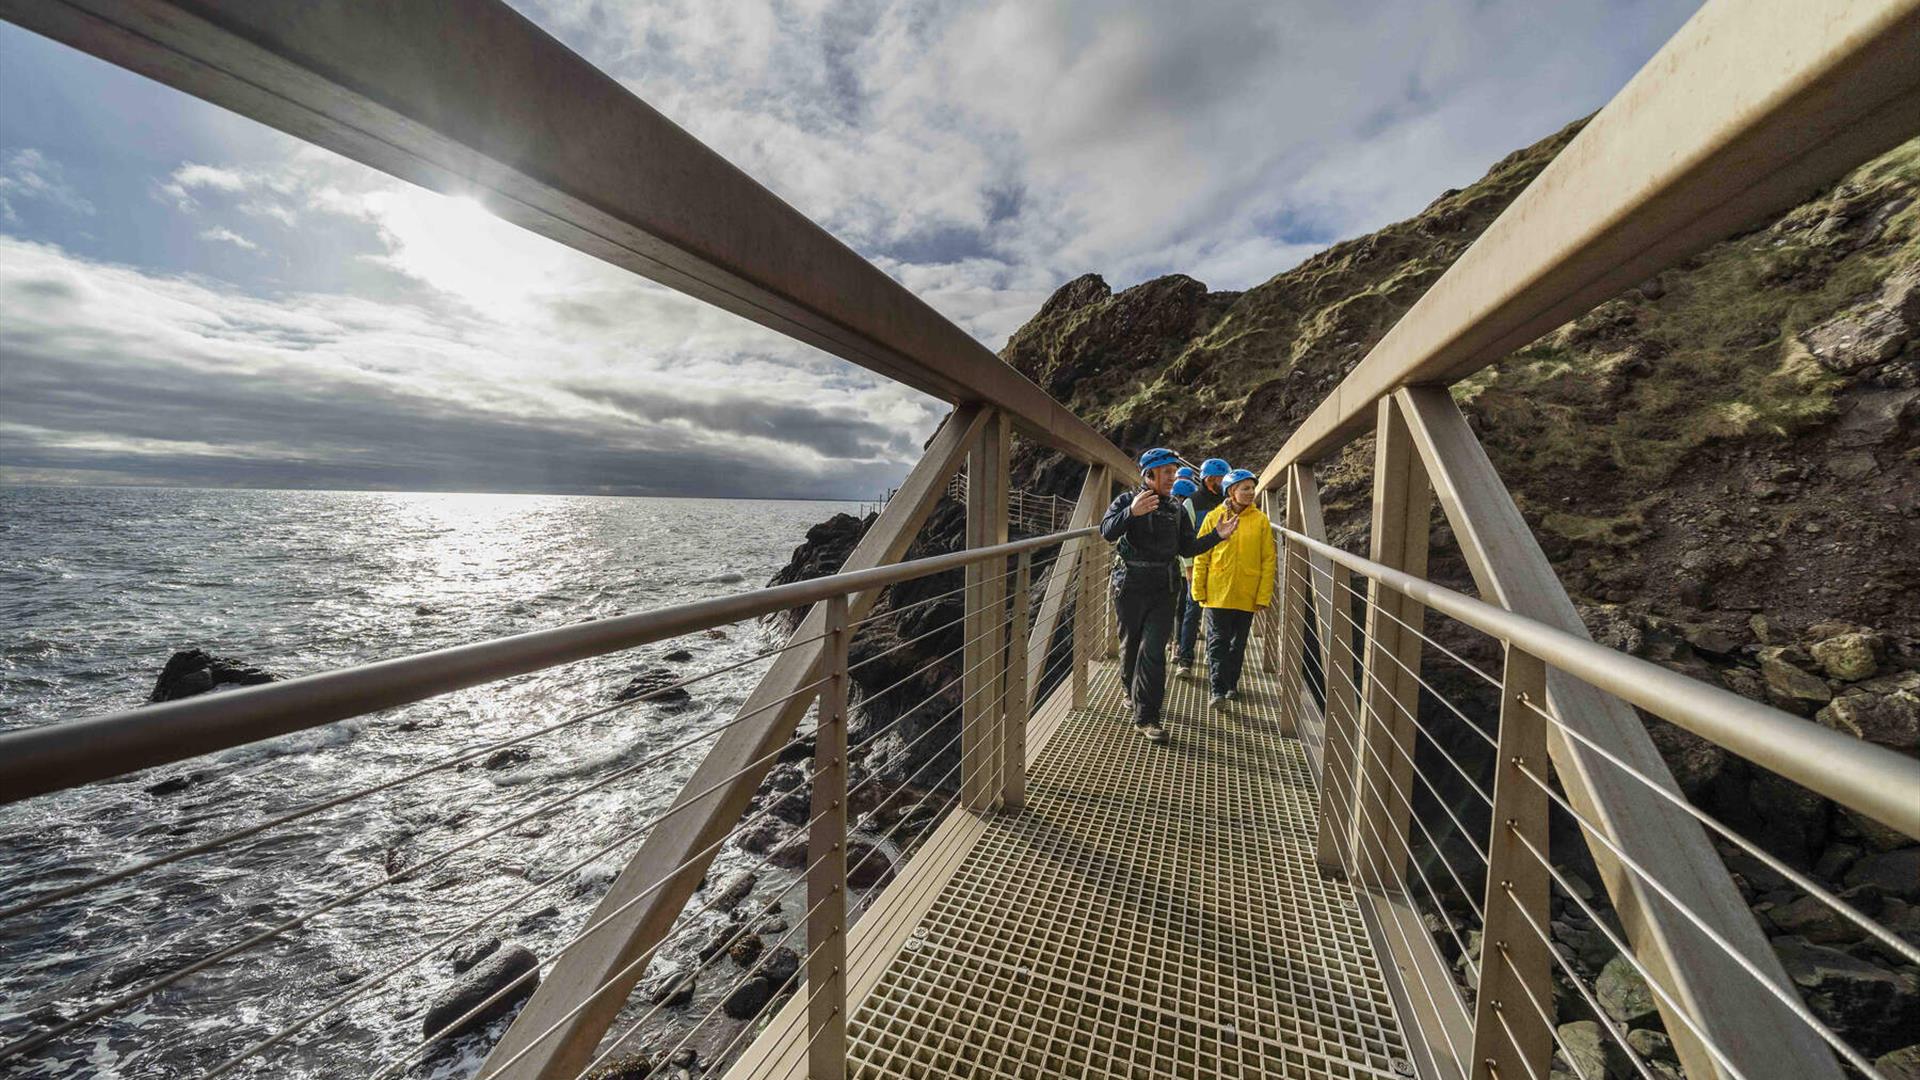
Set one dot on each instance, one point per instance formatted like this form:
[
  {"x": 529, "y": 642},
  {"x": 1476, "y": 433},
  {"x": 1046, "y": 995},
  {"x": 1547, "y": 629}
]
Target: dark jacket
[
  {"x": 1148, "y": 545},
  {"x": 1204, "y": 502}
]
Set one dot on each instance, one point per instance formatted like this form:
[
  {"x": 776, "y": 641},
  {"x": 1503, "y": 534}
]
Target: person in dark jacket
[
  {"x": 1151, "y": 534},
  {"x": 1200, "y": 503}
]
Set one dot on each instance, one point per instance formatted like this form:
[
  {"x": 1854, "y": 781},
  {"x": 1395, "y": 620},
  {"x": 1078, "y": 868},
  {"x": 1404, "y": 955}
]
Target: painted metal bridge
[{"x": 1347, "y": 875}]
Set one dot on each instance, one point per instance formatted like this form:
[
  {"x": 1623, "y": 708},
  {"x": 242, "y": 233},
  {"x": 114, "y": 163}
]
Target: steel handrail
[
  {"x": 1871, "y": 779},
  {"x": 66, "y": 755}
]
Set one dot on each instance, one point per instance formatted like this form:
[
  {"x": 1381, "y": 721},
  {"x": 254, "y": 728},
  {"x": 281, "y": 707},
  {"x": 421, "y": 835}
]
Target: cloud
[
  {"x": 27, "y": 175},
  {"x": 114, "y": 371},
  {"x": 222, "y": 235}
]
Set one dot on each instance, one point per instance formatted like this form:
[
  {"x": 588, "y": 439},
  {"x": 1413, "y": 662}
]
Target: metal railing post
[
  {"x": 1510, "y": 1036},
  {"x": 985, "y": 614},
  {"x": 1402, "y": 507},
  {"x": 1085, "y": 606},
  {"x": 1013, "y": 721},
  {"x": 1334, "y": 844},
  {"x": 827, "y": 863},
  {"x": 1273, "y": 618}
]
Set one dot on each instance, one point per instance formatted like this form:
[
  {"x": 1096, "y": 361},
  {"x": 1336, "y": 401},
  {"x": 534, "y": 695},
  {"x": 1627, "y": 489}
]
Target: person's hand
[
  {"x": 1228, "y": 523},
  {"x": 1145, "y": 502}
]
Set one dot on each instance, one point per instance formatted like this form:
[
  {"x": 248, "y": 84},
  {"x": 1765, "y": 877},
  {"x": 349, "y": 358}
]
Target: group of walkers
[{"x": 1186, "y": 541}]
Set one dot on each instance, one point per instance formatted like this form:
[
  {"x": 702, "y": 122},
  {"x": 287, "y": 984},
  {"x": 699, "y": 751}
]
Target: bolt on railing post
[
  {"x": 827, "y": 863},
  {"x": 1013, "y": 722},
  {"x": 1510, "y": 1037},
  {"x": 1083, "y": 616}
]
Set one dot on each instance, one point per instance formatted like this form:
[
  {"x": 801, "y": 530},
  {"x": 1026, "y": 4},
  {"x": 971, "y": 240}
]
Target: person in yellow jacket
[{"x": 1232, "y": 580}]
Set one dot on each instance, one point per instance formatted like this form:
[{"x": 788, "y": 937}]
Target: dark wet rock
[
  {"x": 723, "y": 938},
  {"x": 678, "y": 656},
  {"x": 748, "y": 998},
  {"x": 761, "y": 837},
  {"x": 734, "y": 890},
  {"x": 745, "y": 951},
  {"x": 868, "y": 866},
  {"x": 507, "y": 758},
  {"x": 684, "y": 1058},
  {"x": 635, "y": 1066},
  {"x": 656, "y": 685},
  {"x": 471, "y": 953},
  {"x": 770, "y": 926},
  {"x": 173, "y": 785},
  {"x": 512, "y": 965},
  {"x": 533, "y": 919},
  {"x": 781, "y": 965},
  {"x": 423, "y": 609},
  {"x": 1865, "y": 1004},
  {"x": 196, "y": 671},
  {"x": 669, "y": 985},
  {"x": 791, "y": 855}
]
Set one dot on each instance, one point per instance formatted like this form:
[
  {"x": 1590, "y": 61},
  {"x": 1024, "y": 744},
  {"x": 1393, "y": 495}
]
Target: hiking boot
[
  {"x": 1183, "y": 665},
  {"x": 1154, "y": 733},
  {"x": 1219, "y": 703},
  {"x": 1233, "y": 695}
]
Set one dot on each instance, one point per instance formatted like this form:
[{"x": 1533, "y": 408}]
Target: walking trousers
[
  {"x": 1143, "y": 604},
  {"x": 1227, "y": 632},
  {"x": 1189, "y": 609}
]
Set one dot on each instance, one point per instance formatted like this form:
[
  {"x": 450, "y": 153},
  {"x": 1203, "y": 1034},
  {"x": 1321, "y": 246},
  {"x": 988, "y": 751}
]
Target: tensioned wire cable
[
  {"x": 146, "y": 989},
  {"x": 365, "y": 988},
  {"x": 53, "y": 895},
  {"x": 668, "y": 876},
  {"x": 1426, "y": 988},
  {"x": 1366, "y": 817},
  {"x": 765, "y": 954}
]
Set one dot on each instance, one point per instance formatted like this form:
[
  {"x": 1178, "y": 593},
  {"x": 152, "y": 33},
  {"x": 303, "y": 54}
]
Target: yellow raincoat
[{"x": 1237, "y": 572}]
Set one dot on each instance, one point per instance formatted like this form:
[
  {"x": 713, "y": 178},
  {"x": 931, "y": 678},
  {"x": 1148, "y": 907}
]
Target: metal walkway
[{"x": 1154, "y": 911}]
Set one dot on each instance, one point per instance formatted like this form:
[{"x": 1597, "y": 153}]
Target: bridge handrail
[
  {"x": 36, "y": 761},
  {"x": 1866, "y": 777}
]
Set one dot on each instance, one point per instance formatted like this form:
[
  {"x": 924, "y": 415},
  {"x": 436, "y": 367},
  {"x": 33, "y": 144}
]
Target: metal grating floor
[{"x": 1155, "y": 911}]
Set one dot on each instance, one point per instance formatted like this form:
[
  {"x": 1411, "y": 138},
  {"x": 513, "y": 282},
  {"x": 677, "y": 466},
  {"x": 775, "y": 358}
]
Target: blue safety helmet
[
  {"x": 1157, "y": 457},
  {"x": 1214, "y": 466},
  {"x": 1235, "y": 477},
  {"x": 1184, "y": 487},
  {"x": 1186, "y": 473}
]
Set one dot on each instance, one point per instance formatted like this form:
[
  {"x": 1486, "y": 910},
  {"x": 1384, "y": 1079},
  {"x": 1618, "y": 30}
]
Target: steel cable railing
[
  {"x": 762, "y": 814},
  {"x": 1314, "y": 675},
  {"x": 1365, "y": 816},
  {"x": 461, "y": 757},
  {"x": 368, "y": 984},
  {"x": 151, "y": 987}
]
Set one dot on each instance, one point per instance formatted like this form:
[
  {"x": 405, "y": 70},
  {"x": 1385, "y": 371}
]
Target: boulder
[
  {"x": 1850, "y": 657},
  {"x": 867, "y": 866},
  {"x": 507, "y": 758},
  {"x": 761, "y": 837},
  {"x": 1901, "y": 1064},
  {"x": 1811, "y": 918},
  {"x": 671, "y": 986},
  {"x": 1594, "y": 1053},
  {"x": 1875, "y": 836},
  {"x": 734, "y": 890},
  {"x": 1789, "y": 685},
  {"x": 656, "y": 685},
  {"x": 678, "y": 656},
  {"x": 196, "y": 671},
  {"x": 471, "y": 953},
  {"x": 1856, "y": 340},
  {"x": 748, "y": 998},
  {"x": 1884, "y": 710},
  {"x": 745, "y": 951},
  {"x": 1867, "y": 1005},
  {"x": 173, "y": 785},
  {"x": 1895, "y": 873},
  {"x": 512, "y": 966},
  {"x": 782, "y": 966},
  {"x": 1624, "y": 994}
]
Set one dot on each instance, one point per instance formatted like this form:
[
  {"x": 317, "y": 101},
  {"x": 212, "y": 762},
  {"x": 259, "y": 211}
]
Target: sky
[{"x": 190, "y": 298}]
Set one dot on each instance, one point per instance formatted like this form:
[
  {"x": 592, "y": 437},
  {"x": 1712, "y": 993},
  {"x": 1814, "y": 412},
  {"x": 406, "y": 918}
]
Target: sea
[{"x": 99, "y": 585}]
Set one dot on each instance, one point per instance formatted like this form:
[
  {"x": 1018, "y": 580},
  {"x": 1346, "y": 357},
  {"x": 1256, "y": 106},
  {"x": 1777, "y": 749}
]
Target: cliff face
[{"x": 1732, "y": 438}]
